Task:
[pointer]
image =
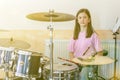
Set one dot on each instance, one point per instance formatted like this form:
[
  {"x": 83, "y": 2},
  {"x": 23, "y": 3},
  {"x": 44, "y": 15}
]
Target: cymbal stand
[
  {"x": 93, "y": 75},
  {"x": 6, "y": 67},
  {"x": 115, "y": 52},
  {"x": 29, "y": 77},
  {"x": 51, "y": 45}
]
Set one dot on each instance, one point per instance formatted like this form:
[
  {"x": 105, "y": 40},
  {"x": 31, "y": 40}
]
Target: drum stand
[
  {"x": 29, "y": 78},
  {"x": 115, "y": 52},
  {"x": 51, "y": 52},
  {"x": 93, "y": 75},
  {"x": 51, "y": 44},
  {"x": 6, "y": 69}
]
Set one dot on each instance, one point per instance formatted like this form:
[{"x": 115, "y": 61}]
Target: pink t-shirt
[{"x": 85, "y": 46}]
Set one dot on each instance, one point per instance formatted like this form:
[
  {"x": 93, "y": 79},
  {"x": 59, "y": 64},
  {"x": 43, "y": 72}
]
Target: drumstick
[
  {"x": 68, "y": 60},
  {"x": 86, "y": 51},
  {"x": 79, "y": 65}
]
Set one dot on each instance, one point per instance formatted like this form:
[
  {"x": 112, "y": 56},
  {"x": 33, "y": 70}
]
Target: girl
[{"x": 85, "y": 41}]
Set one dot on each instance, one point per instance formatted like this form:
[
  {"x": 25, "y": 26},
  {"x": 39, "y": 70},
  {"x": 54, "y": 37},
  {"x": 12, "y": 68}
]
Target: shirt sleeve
[
  {"x": 96, "y": 43},
  {"x": 71, "y": 45}
]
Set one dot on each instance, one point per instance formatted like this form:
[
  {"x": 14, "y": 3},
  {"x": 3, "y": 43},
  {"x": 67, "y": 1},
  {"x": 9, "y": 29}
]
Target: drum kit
[
  {"x": 30, "y": 64},
  {"x": 20, "y": 62}
]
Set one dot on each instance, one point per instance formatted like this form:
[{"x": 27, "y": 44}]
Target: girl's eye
[{"x": 79, "y": 17}]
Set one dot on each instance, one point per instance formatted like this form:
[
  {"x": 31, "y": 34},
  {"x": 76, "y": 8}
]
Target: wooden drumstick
[
  {"x": 79, "y": 65},
  {"x": 86, "y": 51},
  {"x": 68, "y": 60}
]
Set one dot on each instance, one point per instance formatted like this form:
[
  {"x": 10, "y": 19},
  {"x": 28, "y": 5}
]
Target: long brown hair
[{"x": 77, "y": 28}]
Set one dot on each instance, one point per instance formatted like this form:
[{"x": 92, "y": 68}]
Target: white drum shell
[{"x": 62, "y": 71}]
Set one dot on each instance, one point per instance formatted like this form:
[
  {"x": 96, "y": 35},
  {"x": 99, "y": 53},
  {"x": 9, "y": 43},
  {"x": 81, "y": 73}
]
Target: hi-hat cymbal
[
  {"x": 98, "y": 60},
  {"x": 6, "y": 42},
  {"x": 54, "y": 17}
]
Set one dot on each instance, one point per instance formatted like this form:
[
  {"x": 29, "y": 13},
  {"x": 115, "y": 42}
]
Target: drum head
[{"x": 62, "y": 67}]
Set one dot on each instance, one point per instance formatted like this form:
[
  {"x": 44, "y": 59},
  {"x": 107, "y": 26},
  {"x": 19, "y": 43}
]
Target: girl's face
[{"x": 83, "y": 19}]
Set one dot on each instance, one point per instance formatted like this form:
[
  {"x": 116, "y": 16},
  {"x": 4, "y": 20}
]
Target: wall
[
  {"x": 36, "y": 38},
  {"x": 13, "y": 13}
]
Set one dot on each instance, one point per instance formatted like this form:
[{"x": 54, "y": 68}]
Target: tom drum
[
  {"x": 6, "y": 56},
  {"x": 28, "y": 64}
]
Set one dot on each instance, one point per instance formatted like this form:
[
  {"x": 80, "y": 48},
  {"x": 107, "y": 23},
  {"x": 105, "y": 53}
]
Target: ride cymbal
[{"x": 48, "y": 16}]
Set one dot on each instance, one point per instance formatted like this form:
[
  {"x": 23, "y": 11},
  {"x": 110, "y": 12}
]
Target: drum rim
[{"x": 74, "y": 67}]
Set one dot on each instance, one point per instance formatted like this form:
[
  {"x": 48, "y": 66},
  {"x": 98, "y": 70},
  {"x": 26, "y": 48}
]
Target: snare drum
[
  {"x": 64, "y": 71},
  {"x": 28, "y": 64},
  {"x": 6, "y": 56}
]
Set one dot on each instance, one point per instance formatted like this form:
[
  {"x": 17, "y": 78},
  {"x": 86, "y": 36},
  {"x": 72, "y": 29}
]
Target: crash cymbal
[
  {"x": 10, "y": 42},
  {"x": 2, "y": 30},
  {"x": 51, "y": 16}
]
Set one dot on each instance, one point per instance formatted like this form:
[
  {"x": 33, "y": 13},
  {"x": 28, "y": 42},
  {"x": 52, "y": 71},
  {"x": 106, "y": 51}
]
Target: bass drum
[{"x": 62, "y": 71}]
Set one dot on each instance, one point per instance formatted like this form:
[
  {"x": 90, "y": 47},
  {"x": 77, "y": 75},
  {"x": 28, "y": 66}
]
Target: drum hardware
[
  {"x": 41, "y": 77},
  {"x": 10, "y": 42},
  {"x": 115, "y": 53},
  {"x": 115, "y": 33},
  {"x": 51, "y": 52},
  {"x": 43, "y": 61},
  {"x": 51, "y": 16},
  {"x": 6, "y": 69},
  {"x": 93, "y": 75}
]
